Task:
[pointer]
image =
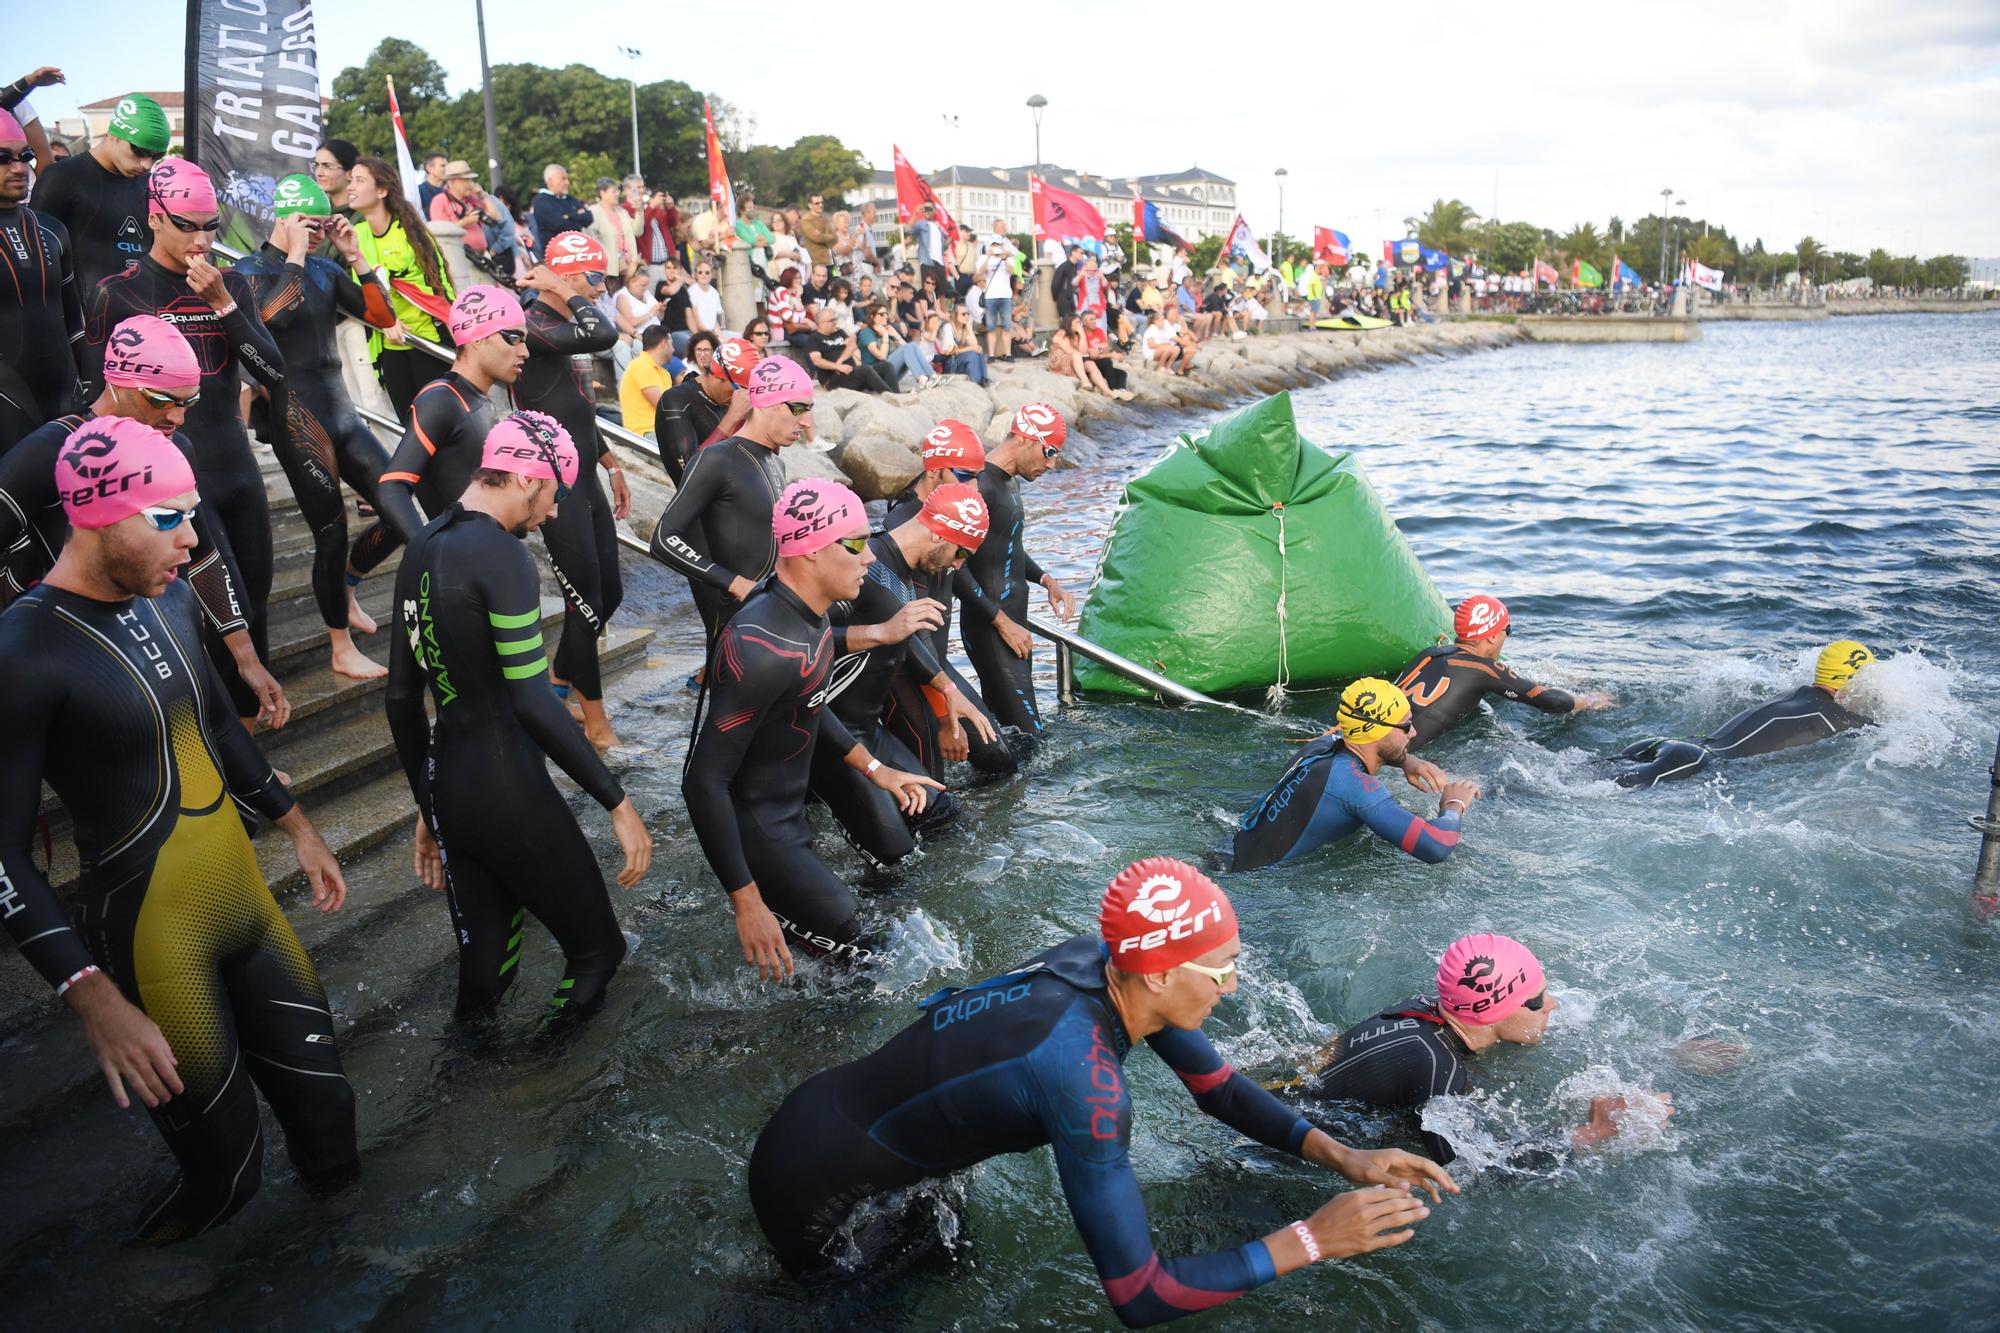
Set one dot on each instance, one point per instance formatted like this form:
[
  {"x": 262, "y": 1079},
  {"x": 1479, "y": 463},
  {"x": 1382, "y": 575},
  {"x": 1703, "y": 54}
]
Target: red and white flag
[
  {"x": 1242, "y": 241},
  {"x": 1704, "y": 276},
  {"x": 913, "y": 192},
  {"x": 404, "y": 166},
  {"x": 1546, "y": 272},
  {"x": 720, "y": 192}
]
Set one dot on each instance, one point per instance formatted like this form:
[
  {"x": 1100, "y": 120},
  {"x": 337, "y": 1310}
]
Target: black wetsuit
[
  {"x": 857, "y": 692},
  {"x": 104, "y": 213},
  {"x": 582, "y": 538},
  {"x": 911, "y": 712},
  {"x": 718, "y": 525},
  {"x": 683, "y": 419},
  {"x": 232, "y": 485},
  {"x": 438, "y": 453},
  {"x": 33, "y": 527},
  {"x": 1032, "y": 1057},
  {"x": 320, "y": 439},
  {"x": 1401, "y": 1058},
  {"x": 1445, "y": 685},
  {"x": 41, "y": 313},
  {"x": 748, "y": 772},
  {"x": 997, "y": 578},
  {"x": 114, "y": 704},
  {"x": 1805, "y": 715},
  {"x": 471, "y": 612}
]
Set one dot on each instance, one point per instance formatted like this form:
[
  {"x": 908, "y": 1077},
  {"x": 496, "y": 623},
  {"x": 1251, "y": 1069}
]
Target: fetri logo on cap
[
  {"x": 1040, "y": 423},
  {"x": 956, "y": 512},
  {"x": 1159, "y": 913},
  {"x": 735, "y": 359},
  {"x": 1480, "y": 617},
  {"x": 574, "y": 252}
]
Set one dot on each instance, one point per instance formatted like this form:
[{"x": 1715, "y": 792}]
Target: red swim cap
[
  {"x": 1159, "y": 913},
  {"x": 955, "y": 512},
  {"x": 1483, "y": 978},
  {"x": 110, "y": 468},
  {"x": 146, "y": 352},
  {"x": 574, "y": 252},
  {"x": 531, "y": 444},
  {"x": 1479, "y": 617},
  {"x": 1040, "y": 423},
  {"x": 735, "y": 359},
  {"x": 179, "y": 186},
  {"x": 955, "y": 445}
]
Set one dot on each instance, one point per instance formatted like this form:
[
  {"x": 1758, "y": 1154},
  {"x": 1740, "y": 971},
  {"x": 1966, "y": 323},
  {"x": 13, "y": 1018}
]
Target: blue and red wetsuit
[
  {"x": 1024, "y": 1059},
  {"x": 1325, "y": 794}
]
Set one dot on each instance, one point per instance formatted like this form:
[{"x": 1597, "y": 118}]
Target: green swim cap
[
  {"x": 299, "y": 193},
  {"x": 140, "y": 122}
]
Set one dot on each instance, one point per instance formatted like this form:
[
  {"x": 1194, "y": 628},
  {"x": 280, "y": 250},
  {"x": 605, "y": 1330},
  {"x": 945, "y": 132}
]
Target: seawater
[{"x": 1682, "y": 525}]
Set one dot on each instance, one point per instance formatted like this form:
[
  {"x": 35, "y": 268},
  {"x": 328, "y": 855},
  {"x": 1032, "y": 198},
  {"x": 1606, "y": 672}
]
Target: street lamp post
[
  {"x": 1044, "y": 305},
  {"x": 1665, "y": 195},
  {"x": 633, "y": 55},
  {"x": 1278, "y": 236},
  {"x": 486, "y": 95},
  {"x": 1678, "y": 203}
]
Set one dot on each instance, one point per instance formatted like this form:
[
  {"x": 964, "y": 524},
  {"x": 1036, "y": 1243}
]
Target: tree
[
  {"x": 1449, "y": 226},
  {"x": 1808, "y": 253},
  {"x": 360, "y": 110},
  {"x": 821, "y": 164},
  {"x": 1583, "y": 242},
  {"x": 1614, "y": 230},
  {"x": 1881, "y": 268},
  {"x": 1945, "y": 271},
  {"x": 1511, "y": 246},
  {"x": 1207, "y": 252}
]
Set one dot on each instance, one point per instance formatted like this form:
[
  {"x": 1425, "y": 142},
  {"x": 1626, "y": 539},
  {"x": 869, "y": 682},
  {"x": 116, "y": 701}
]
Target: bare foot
[
  {"x": 600, "y": 734},
  {"x": 352, "y": 662},
  {"x": 358, "y": 620}
]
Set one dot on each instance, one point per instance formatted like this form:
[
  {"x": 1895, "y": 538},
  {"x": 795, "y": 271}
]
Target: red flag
[
  {"x": 1388, "y": 252},
  {"x": 913, "y": 192},
  {"x": 720, "y": 191},
  {"x": 1138, "y": 218},
  {"x": 1065, "y": 216},
  {"x": 1546, "y": 272}
]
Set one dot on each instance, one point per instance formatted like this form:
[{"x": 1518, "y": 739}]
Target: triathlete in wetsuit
[
  {"x": 1490, "y": 989},
  {"x": 1809, "y": 713},
  {"x": 100, "y": 196},
  {"x": 150, "y": 375},
  {"x": 41, "y": 313},
  {"x": 565, "y": 329},
  {"x": 914, "y": 713},
  {"x": 747, "y": 772},
  {"x": 994, "y": 583},
  {"x": 882, "y": 636},
  {"x": 1445, "y": 684},
  {"x": 1034, "y": 1057},
  {"x": 450, "y": 416},
  {"x": 217, "y": 313},
  {"x": 689, "y": 414},
  {"x": 715, "y": 531},
  {"x": 1330, "y": 789},
  {"x": 192, "y": 987},
  {"x": 320, "y": 439},
  {"x": 493, "y": 831}
]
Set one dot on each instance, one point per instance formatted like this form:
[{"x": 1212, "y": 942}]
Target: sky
[{"x": 1857, "y": 123}]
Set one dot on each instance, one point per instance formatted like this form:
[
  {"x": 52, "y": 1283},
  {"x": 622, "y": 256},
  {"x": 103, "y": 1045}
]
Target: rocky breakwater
[{"x": 871, "y": 441}]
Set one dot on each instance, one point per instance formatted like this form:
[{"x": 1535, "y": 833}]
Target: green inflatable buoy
[{"x": 1246, "y": 557}]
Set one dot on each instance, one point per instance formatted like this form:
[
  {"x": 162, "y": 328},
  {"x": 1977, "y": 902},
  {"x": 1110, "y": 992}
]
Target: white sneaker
[{"x": 1238, "y": 336}]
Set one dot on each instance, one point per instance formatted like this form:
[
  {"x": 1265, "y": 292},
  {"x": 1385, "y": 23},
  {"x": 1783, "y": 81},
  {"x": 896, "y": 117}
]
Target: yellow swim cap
[
  {"x": 1370, "y": 709},
  {"x": 1838, "y": 662}
]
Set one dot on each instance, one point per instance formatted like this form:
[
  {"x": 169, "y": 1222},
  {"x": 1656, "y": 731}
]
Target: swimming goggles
[
  {"x": 1221, "y": 976},
  {"x": 165, "y": 518}
]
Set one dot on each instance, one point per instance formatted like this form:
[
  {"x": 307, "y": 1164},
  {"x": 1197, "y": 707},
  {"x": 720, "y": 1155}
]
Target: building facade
[{"x": 97, "y": 118}]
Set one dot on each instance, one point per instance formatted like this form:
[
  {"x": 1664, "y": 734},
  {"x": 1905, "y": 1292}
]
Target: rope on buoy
[{"x": 1275, "y": 696}]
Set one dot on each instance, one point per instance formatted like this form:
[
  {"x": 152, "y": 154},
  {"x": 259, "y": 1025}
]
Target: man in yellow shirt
[{"x": 645, "y": 379}]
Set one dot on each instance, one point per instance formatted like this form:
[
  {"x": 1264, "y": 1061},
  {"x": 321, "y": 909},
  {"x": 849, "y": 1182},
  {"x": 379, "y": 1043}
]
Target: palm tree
[
  {"x": 1449, "y": 226},
  {"x": 1808, "y": 252},
  {"x": 1583, "y": 243}
]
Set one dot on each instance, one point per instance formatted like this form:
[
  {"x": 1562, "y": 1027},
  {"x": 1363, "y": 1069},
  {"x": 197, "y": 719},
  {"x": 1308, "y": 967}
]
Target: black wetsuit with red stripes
[
  {"x": 1445, "y": 685},
  {"x": 438, "y": 455},
  {"x": 41, "y": 314}
]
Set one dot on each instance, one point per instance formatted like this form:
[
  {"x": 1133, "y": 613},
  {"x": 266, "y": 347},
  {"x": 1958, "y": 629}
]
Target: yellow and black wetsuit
[{"x": 116, "y": 706}]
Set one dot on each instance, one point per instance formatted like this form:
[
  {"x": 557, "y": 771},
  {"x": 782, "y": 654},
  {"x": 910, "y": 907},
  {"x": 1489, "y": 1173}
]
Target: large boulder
[
  {"x": 839, "y": 401},
  {"x": 1015, "y": 385},
  {"x": 901, "y": 418},
  {"x": 957, "y": 400},
  {"x": 827, "y": 424},
  {"x": 880, "y": 464},
  {"x": 804, "y": 464}
]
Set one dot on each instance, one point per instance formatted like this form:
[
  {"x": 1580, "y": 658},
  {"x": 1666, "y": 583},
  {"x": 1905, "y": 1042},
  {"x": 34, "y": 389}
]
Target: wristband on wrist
[
  {"x": 1305, "y": 1235},
  {"x": 87, "y": 970},
  {"x": 227, "y": 310},
  {"x": 873, "y": 764},
  {"x": 1455, "y": 801}
]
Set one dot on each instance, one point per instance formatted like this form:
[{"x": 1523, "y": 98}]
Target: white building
[{"x": 1196, "y": 202}]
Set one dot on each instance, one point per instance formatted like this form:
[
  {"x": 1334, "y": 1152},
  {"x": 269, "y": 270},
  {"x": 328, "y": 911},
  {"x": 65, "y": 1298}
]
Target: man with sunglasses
[
  {"x": 716, "y": 531},
  {"x": 492, "y": 830},
  {"x": 1490, "y": 989},
  {"x": 994, "y": 584},
  {"x": 1330, "y": 790},
  {"x": 1445, "y": 685},
  {"x": 883, "y": 635},
  {"x": 217, "y": 313},
  {"x": 753, "y": 756},
  {"x": 1037, "y": 1056},
  {"x": 193, "y": 990},
  {"x": 41, "y": 312},
  {"x": 100, "y": 196},
  {"x": 450, "y": 416},
  {"x": 566, "y": 328},
  {"x": 696, "y": 411},
  {"x": 150, "y": 376}
]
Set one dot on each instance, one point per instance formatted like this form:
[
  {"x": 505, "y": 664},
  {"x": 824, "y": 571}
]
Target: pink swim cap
[
  {"x": 779, "y": 379},
  {"x": 482, "y": 311},
  {"x": 110, "y": 468},
  {"x": 179, "y": 186},
  {"x": 146, "y": 352},
  {"x": 525, "y": 442},
  {"x": 813, "y": 515},
  {"x": 1484, "y": 978},
  {"x": 10, "y": 128}
]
